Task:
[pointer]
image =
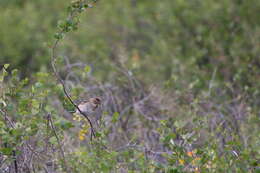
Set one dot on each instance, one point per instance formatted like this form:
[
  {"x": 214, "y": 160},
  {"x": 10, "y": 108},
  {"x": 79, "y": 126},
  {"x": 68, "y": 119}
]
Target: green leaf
[
  {"x": 38, "y": 85},
  {"x": 6, "y": 151},
  {"x": 58, "y": 36},
  {"x": 61, "y": 24},
  {"x": 35, "y": 106},
  {"x": 169, "y": 137},
  {"x": 24, "y": 81},
  {"x": 53, "y": 140},
  {"x": 1, "y": 78},
  {"x": 2, "y": 102},
  {"x": 34, "y": 128},
  {"x": 179, "y": 124},
  {"x": 14, "y": 72},
  {"x": 115, "y": 117},
  {"x": 48, "y": 108},
  {"x": 98, "y": 134},
  {"x": 5, "y": 73},
  {"x": 64, "y": 124},
  {"x": 6, "y": 66},
  {"x": 87, "y": 68}
]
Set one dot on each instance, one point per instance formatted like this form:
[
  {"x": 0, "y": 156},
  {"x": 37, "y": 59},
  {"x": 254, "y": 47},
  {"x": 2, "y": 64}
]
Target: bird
[{"x": 89, "y": 106}]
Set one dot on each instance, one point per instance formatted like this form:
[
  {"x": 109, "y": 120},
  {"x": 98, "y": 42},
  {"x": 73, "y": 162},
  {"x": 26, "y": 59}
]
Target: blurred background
[
  {"x": 159, "y": 41},
  {"x": 171, "y": 69}
]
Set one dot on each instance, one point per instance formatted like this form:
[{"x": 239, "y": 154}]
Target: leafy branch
[{"x": 70, "y": 24}]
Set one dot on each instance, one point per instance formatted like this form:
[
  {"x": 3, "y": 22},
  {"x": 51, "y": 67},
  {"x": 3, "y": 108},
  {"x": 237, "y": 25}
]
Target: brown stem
[
  {"x": 58, "y": 140},
  {"x": 53, "y": 59}
]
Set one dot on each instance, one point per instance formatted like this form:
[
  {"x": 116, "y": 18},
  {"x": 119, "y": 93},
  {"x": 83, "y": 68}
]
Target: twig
[
  {"x": 7, "y": 118},
  {"x": 12, "y": 126},
  {"x": 58, "y": 140},
  {"x": 211, "y": 81},
  {"x": 15, "y": 162}
]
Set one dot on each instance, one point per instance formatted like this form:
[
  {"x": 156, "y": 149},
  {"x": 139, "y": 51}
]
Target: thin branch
[
  {"x": 13, "y": 127},
  {"x": 64, "y": 87},
  {"x": 15, "y": 162},
  {"x": 49, "y": 118},
  {"x": 212, "y": 81},
  {"x": 61, "y": 81}
]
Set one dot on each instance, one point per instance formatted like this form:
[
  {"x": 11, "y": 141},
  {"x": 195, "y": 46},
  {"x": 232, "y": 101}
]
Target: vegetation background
[{"x": 179, "y": 82}]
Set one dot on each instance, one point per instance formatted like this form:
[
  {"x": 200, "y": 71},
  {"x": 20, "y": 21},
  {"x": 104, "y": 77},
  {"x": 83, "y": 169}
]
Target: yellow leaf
[
  {"x": 81, "y": 136},
  {"x": 181, "y": 161}
]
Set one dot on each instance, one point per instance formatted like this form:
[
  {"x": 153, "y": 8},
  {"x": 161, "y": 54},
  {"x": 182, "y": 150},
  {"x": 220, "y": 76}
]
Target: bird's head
[{"x": 95, "y": 100}]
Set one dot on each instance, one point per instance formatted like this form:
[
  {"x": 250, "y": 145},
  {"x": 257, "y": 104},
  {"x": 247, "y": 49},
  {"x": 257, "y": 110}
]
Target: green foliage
[
  {"x": 173, "y": 39},
  {"x": 234, "y": 156},
  {"x": 23, "y": 112}
]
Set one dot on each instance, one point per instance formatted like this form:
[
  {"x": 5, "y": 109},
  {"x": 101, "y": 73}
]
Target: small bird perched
[{"x": 89, "y": 106}]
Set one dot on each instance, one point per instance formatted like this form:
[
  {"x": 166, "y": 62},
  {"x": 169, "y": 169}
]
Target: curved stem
[{"x": 53, "y": 59}]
